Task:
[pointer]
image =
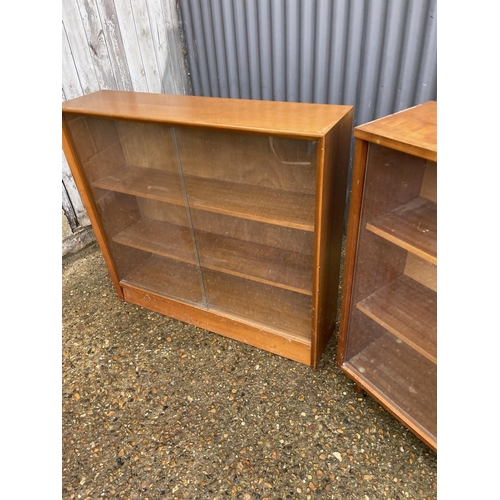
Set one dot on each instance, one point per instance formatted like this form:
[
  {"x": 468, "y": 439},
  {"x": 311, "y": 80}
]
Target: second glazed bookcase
[
  {"x": 223, "y": 213},
  {"x": 388, "y": 327}
]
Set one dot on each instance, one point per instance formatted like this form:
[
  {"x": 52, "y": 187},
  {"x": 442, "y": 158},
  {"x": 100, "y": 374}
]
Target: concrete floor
[{"x": 155, "y": 408}]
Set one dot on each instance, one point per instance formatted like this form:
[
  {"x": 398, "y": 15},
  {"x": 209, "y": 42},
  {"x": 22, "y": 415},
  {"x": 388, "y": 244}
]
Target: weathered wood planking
[
  {"x": 144, "y": 26},
  {"x": 73, "y": 195},
  {"x": 99, "y": 52},
  {"x": 140, "y": 68},
  {"x": 71, "y": 86},
  {"x": 167, "y": 43},
  {"x": 158, "y": 34},
  {"x": 119, "y": 45},
  {"x": 80, "y": 52},
  {"x": 122, "y": 45},
  {"x": 175, "y": 76},
  {"x": 113, "y": 38}
]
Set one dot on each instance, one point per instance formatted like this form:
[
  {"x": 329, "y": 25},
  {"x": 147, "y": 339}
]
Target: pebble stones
[{"x": 154, "y": 408}]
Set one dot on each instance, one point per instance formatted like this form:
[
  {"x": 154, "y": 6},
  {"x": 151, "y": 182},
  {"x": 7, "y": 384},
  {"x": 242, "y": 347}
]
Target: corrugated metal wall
[{"x": 378, "y": 55}]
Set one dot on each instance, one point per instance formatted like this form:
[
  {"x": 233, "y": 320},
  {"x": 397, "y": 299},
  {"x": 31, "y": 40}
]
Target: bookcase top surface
[
  {"x": 273, "y": 117},
  {"x": 412, "y": 131}
]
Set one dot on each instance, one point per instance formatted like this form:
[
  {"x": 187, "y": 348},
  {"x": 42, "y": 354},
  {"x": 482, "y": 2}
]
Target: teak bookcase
[
  {"x": 388, "y": 335},
  {"x": 223, "y": 213}
]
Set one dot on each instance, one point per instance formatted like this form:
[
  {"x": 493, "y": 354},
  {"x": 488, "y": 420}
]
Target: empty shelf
[{"x": 412, "y": 226}]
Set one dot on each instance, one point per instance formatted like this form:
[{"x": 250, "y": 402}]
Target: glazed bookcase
[
  {"x": 223, "y": 213},
  {"x": 388, "y": 326}
]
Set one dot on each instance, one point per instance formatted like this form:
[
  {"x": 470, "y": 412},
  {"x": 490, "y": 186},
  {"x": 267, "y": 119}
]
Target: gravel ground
[{"x": 154, "y": 408}]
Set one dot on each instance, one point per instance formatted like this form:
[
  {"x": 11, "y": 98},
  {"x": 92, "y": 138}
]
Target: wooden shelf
[
  {"x": 160, "y": 238},
  {"x": 150, "y": 183},
  {"x": 402, "y": 379},
  {"x": 261, "y": 263},
  {"x": 266, "y": 307},
  {"x": 168, "y": 277},
  {"x": 412, "y": 226},
  {"x": 408, "y": 310},
  {"x": 280, "y": 311},
  {"x": 273, "y": 206}
]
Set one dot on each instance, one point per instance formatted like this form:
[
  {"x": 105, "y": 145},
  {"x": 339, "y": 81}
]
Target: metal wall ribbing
[{"x": 378, "y": 55}]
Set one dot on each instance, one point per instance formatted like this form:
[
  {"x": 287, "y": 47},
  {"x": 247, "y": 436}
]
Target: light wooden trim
[
  {"x": 242, "y": 200},
  {"x": 332, "y": 183},
  {"x": 320, "y": 167},
  {"x": 356, "y": 200},
  {"x": 287, "y": 119},
  {"x": 411, "y": 131}
]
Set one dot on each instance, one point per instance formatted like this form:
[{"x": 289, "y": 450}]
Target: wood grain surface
[
  {"x": 413, "y": 131},
  {"x": 265, "y": 264},
  {"x": 283, "y": 208},
  {"x": 409, "y": 311},
  {"x": 403, "y": 381},
  {"x": 301, "y": 120},
  {"x": 413, "y": 226}
]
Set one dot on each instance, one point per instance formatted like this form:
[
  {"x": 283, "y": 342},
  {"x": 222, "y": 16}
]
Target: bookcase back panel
[
  {"x": 148, "y": 145},
  {"x": 256, "y": 160},
  {"x": 269, "y": 307},
  {"x": 429, "y": 183},
  {"x": 272, "y": 235}
]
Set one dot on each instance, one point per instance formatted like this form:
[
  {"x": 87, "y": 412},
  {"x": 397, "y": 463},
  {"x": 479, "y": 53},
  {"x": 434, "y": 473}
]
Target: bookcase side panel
[
  {"x": 353, "y": 221},
  {"x": 330, "y": 210}
]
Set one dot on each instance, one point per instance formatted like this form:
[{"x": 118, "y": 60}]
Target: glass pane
[
  {"x": 133, "y": 174},
  {"x": 392, "y": 335},
  {"x": 252, "y": 203}
]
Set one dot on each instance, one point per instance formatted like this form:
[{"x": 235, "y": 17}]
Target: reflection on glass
[
  {"x": 392, "y": 337},
  {"x": 133, "y": 173},
  {"x": 219, "y": 219}
]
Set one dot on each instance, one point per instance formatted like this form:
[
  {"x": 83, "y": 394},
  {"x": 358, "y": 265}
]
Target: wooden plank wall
[{"x": 132, "y": 45}]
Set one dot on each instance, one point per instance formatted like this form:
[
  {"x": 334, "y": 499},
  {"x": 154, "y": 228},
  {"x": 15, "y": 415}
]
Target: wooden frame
[
  {"x": 223, "y": 213},
  {"x": 388, "y": 325}
]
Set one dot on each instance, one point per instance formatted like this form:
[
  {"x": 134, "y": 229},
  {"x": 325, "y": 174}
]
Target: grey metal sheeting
[{"x": 378, "y": 55}]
